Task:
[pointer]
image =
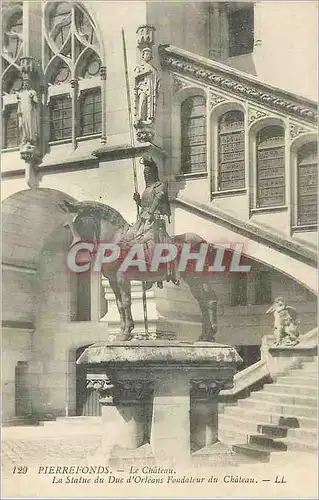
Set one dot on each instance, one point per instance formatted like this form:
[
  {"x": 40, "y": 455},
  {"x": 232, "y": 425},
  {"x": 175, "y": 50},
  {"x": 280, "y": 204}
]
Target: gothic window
[
  {"x": 72, "y": 65},
  {"x": 11, "y": 126},
  {"x": 270, "y": 167},
  {"x": 12, "y": 35},
  {"x": 262, "y": 287},
  {"x": 307, "y": 181},
  {"x": 193, "y": 135},
  {"x": 12, "y": 41},
  {"x": 60, "y": 118},
  {"x": 241, "y": 31},
  {"x": 231, "y": 151},
  {"x": 91, "y": 115}
]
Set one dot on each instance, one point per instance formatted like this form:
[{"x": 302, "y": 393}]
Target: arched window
[
  {"x": 72, "y": 65},
  {"x": 270, "y": 167},
  {"x": 307, "y": 184},
  {"x": 91, "y": 114},
  {"x": 12, "y": 42},
  {"x": 11, "y": 126},
  {"x": 231, "y": 151},
  {"x": 193, "y": 135},
  {"x": 60, "y": 118}
]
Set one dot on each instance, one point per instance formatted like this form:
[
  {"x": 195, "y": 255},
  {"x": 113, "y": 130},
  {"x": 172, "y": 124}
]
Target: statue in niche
[
  {"x": 146, "y": 90},
  {"x": 28, "y": 116},
  {"x": 286, "y": 324}
]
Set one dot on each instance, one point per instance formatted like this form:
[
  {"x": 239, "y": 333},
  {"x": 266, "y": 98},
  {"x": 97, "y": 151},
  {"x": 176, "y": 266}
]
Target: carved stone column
[
  {"x": 124, "y": 409},
  {"x": 74, "y": 92},
  {"x": 103, "y": 95},
  {"x": 101, "y": 383},
  {"x": 204, "y": 410},
  {"x": 132, "y": 401}
]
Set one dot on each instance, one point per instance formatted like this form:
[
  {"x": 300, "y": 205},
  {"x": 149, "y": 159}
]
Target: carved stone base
[{"x": 163, "y": 393}]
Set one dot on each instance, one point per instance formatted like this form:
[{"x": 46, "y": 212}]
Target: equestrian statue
[{"x": 96, "y": 222}]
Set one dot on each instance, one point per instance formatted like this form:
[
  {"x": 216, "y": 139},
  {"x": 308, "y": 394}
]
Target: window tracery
[
  {"x": 231, "y": 151},
  {"x": 193, "y": 135},
  {"x": 307, "y": 184},
  {"x": 270, "y": 167},
  {"x": 72, "y": 66}
]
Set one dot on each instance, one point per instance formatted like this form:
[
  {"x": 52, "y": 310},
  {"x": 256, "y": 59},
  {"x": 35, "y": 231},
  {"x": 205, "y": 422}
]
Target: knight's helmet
[{"x": 148, "y": 162}]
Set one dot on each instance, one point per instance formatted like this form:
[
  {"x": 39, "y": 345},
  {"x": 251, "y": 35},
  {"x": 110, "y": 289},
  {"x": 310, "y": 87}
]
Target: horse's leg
[
  {"x": 125, "y": 290},
  {"x": 118, "y": 299},
  {"x": 207, "y": 302}
]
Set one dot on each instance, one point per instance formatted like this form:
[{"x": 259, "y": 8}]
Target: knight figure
[
  {"x": 153, "y": 211},
  {"x": 153, "y": 206}
]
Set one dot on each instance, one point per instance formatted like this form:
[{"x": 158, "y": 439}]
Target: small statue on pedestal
[
  {"x": 146, "y": 86},
  {"x": 29, "y": 118},
  {"x": 286, "y": 324}
]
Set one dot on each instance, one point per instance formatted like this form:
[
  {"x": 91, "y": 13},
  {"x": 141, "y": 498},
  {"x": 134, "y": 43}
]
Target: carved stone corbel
[
  {"x": 132, "y": 391},
  {"x": 205, "y": 390}
]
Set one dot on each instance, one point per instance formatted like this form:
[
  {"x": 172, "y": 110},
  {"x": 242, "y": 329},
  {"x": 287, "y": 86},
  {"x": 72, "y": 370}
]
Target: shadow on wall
[{"x": 243, "y": 63}]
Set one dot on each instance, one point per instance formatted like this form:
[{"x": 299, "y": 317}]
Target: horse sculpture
[{"x": 97, "y": 222}]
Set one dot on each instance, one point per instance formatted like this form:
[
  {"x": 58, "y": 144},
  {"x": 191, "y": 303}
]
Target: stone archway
[{"x": 29, "y": 219}]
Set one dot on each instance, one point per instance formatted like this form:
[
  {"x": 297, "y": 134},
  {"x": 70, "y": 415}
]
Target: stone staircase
[{"x": 281, "y": 416}]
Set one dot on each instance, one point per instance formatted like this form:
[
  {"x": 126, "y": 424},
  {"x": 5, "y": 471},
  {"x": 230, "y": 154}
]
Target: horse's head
[
  {"x": 92, "y": 221},
  {"x": 84, "y": 221}
]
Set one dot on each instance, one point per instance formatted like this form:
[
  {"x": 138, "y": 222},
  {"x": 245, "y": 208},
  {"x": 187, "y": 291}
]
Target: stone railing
[
  {"x": 275, "y": 361},
  {"x": 248, "y": 377}
]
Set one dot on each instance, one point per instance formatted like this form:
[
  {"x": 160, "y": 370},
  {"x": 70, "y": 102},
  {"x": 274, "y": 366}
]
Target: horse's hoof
[{"x": 206, "y": 339}]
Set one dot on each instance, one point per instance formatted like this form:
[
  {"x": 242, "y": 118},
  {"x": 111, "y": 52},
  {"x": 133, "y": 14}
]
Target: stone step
[
  {"x": 309, "y": 367},
  {"x": 283, "y": 398},
  {"x": 268, "y": 442},
  {"x": 62, "y": 421},
  {"x": 299, "y": 381},
  {"x": 275, "y": 417},
  {"x": 252, "y": 450},
  {"x": 231, "y": 422},
  {"x": 282, "y": 408},
  {"x": 263, "y": 451},
  {"x": 302, "y": 372},
  {"x": 230, "y": 435},
  {"x": 283, "y": 444},
  {"x": 291, "y": 389},
  {"x": 19, "y": 421},
  {"x": 308, "y": 435}
]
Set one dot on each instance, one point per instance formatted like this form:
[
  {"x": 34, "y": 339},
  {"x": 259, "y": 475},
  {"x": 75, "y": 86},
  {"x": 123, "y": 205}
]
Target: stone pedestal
[
  {"x": 160, "y": 393},
  {"x": 281, "y": 359}
]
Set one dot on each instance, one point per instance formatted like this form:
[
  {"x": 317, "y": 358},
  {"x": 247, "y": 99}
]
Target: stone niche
[{"x": 161, "y": 394}]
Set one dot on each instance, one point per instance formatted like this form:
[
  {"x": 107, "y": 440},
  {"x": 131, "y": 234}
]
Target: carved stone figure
[
  {"x": 285, "y": 323},
  {"x": 28, "y": 116},
  {"x": 146, "y": 92}
]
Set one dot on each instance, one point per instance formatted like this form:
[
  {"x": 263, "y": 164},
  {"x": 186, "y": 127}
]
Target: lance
[{"x": 130, "y": 121}]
